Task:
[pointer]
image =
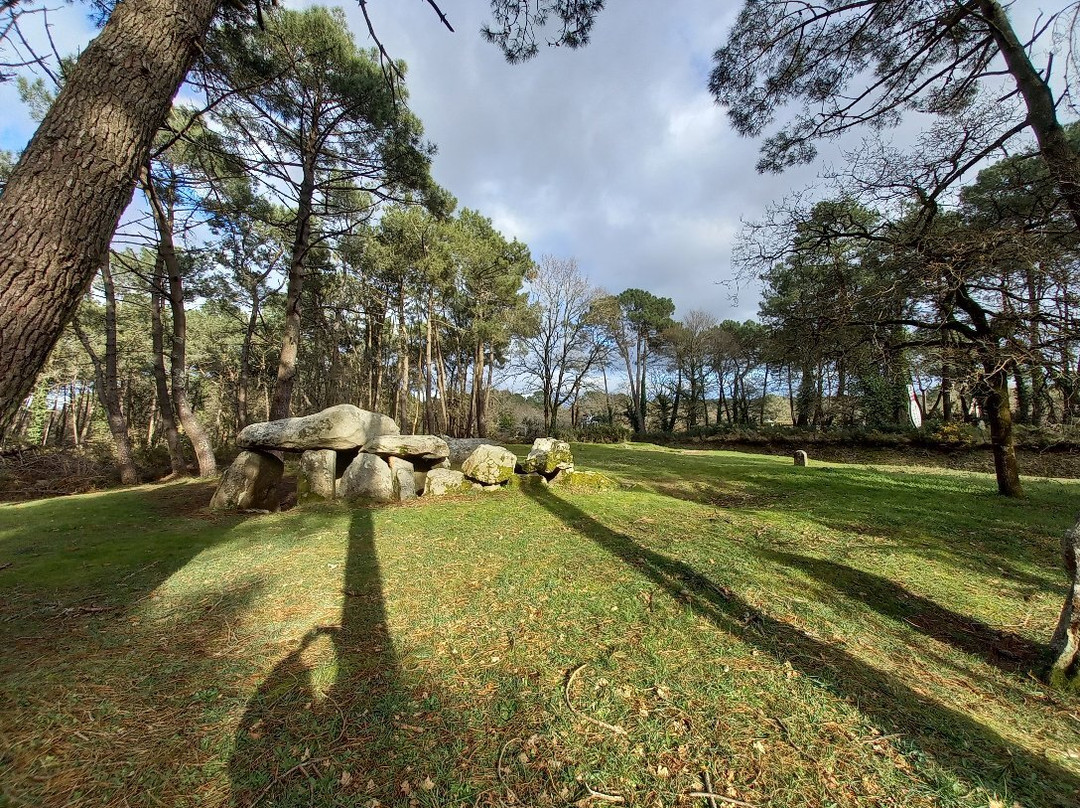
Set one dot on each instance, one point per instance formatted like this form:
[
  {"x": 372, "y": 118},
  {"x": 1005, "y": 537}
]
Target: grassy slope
[{"x": 834, "y": 635}]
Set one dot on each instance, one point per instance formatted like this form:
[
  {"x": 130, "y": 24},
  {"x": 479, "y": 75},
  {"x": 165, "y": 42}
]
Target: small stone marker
[{"x": 801, "y": 458}]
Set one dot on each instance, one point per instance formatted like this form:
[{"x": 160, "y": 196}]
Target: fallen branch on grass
[
  {"x": 614, "y": 799},
  {"x": 566, "y": 697},
  {"x": 499, "y": 771},
  {"x": 277, "y": 780},
  {"x": 708, "y": 795}
]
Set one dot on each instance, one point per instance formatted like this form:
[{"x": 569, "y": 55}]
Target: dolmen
[
  {"x": 345, "y": 453},
  {"x": 354, "y": 455}
]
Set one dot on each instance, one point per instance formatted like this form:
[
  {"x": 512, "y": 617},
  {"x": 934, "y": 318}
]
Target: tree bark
[
  {"x": 244, "y": 376},
  {"x": 65, "y": 196},
  {"x": 1064, "y": 668}
]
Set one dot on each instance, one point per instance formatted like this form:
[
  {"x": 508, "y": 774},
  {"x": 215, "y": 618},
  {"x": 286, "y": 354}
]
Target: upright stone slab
[
  {"x": 800, "y": 458},
  {"x": 548, "y": 457},
  {"x": 490, "y": 465},
  {"x": 340, "y": 427},
  {"x": 316, "y": 480},
  {"x": 250, "y": 483},
  {"x": 404, "y": 482},
  {"x": 368, "y": 478}
]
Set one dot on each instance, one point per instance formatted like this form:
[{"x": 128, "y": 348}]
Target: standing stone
[
  {"x": 548, "y": 456},
  {"x": 445, "y": 481},
  {"x": 340, "y": 427},
  {"x": 368, "y": 477},
  {"x": 490, "y": 464},
  {"x": 315, "y": 482},
  {"x": 250, "y": 483},
  {"x": 801, "y": 458},
  {"x": 404, "y": 482}
]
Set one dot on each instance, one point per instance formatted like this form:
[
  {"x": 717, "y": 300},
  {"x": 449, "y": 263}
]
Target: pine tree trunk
[
  {"x": 244, "y": 376},
  {"x": 106, "y": 383},
  {"x": 193, "y": 427},
  {"x": 290, "y": 341},
  {"x": 998, "y": 411},
  {"x": 65, "y": 196},
  {"x": 161, "y": 381}
]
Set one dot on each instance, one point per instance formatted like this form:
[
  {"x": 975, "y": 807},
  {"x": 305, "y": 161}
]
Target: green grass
[{"x": 827, "y": 636}]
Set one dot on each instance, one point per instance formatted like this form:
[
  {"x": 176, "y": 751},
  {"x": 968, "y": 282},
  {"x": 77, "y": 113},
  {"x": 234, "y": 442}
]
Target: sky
[{"x": 614, "y": 155}]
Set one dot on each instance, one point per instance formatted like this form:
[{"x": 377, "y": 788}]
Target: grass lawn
[{"x": 827, "y": 636}]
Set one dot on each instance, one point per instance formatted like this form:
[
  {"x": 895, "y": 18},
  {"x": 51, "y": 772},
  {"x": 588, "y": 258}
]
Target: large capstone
[
  {"x": 548, "y": 456},
  {"x": 489, "y": 464},
  {"x": 316, "y": 480},
  {"x": 250, "y": 483},
  {"x": 368, "y": 477},
  {"x": 441, "y": 482},
  {"x": 426, "y": 450},
  {"x": 340, "y": 427}
]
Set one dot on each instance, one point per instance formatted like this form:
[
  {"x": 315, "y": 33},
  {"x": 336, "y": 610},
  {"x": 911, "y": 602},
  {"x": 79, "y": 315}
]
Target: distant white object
[{"x": 914, "y": 412}]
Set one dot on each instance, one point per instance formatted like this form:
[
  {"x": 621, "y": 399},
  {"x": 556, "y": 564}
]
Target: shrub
[{"x": 603, "y": 433}]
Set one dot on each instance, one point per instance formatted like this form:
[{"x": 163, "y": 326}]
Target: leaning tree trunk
[
  {"x": 1065, "y": 645},
  {"x": 65, "y": 196},
  {"x": 193, "y": 427},
  {"x": 1061, "y": 159}
]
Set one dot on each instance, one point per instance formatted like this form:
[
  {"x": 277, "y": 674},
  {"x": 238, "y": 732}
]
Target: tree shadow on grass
[
  {"x": 322, "y": 724},
  {"x": 93, "y": 555},
  {"x": 971, "y": 750},
  {"x": 1004, "y": 650},
  {"x": 942, "y": 516}
]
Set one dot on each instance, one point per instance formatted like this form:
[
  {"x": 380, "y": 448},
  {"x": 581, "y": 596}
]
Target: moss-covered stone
[
  {"x": 586, "y": 480},
  {"x": 548, "y": 456},
  {"x": 490, "y": 465}
]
